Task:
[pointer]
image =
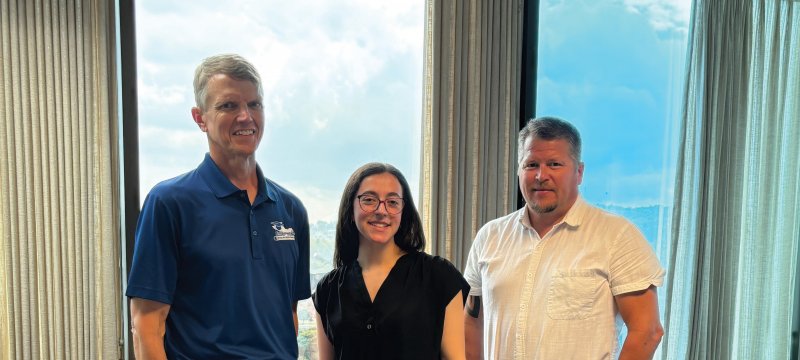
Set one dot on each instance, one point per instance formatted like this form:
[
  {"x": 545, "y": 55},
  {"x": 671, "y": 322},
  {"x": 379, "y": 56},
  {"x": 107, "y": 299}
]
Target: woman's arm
[
  {"x": 453, "y": 333},
  {"x": 324, "y": 345},
  {"x": 473, "y": 327}
]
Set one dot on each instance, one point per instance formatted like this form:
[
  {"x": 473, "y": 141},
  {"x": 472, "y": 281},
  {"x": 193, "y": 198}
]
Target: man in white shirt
[{"x": 548, "y": 281}]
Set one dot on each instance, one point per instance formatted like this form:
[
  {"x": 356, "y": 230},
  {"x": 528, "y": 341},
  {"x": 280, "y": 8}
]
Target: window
[
  {"x": 342, "y": 87},
  {"x": 615, "y": 70}
]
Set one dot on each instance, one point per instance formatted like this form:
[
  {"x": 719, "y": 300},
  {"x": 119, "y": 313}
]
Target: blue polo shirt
[{"x": 231, "y": 271}]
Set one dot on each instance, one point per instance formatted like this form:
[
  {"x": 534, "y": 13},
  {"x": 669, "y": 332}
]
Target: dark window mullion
[{"x": 530, "y": 51}]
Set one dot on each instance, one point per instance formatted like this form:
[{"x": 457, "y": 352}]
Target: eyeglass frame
[{"x": 360, "y": 205}]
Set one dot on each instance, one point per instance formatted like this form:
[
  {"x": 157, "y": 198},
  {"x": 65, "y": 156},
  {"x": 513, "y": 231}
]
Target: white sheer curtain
[
  {"x": 470, "y": 109},
  {"x": 736, "y": 221},
  {"x": 60, "y": 293}
]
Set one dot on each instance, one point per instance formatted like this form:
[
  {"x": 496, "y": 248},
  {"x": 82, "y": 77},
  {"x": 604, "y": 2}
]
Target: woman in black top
[{"x": 386, "y": 299}]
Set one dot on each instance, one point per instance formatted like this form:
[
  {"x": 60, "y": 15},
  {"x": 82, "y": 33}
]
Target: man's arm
[
  {"x": 148, "y": 326},
  {"x": 639, "y": 310},
  {"x": 473, "y": 327}
]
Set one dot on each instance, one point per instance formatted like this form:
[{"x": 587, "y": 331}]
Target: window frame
[{"x": 129, "y": 152}]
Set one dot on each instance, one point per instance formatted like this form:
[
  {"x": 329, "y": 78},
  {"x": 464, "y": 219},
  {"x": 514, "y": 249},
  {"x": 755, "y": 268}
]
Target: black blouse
[{"x": 407, "y": 317}]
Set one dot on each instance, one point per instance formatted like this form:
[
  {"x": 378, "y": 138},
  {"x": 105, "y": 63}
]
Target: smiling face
[
  {"x": 233, "y": 117},
  {"x": 549, "y": 177},
  {"x": 377, "y": 226}
]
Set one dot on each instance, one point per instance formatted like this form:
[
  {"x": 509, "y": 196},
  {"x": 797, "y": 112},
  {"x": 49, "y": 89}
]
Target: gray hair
[
  {"x": 550, "y": 128},
  {"x": 231, "y": 65}
]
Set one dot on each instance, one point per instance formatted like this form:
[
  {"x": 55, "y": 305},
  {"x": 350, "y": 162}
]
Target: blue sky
[
  {"x": 343, "y": 86},
  {"x": 613, "y": 68}
]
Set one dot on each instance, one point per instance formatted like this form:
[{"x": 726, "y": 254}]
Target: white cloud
[
  {"x": 159, "y": 166},
  {"x": 165, "y": 153},
  {"x": 171, "y": 139},
  {"x": 326, "y": 48},
  {"x": 663, "y": 15},
  {"x": 321, "y": 204},
  {"x": 318, "y": 61},
  {"x": 157, "y": 171},
  {"x": 320, "y": 123},
  {"x": 155, "y": 94}
]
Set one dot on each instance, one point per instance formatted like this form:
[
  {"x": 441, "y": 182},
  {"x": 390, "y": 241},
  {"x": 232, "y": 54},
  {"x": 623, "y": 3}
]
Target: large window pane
[
  {"x": 342, "y": 86},
  {"x": 615, "y": 70}
]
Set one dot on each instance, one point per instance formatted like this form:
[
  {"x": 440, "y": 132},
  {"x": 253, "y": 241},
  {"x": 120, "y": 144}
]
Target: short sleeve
[
  {"x": 321, "y": 293},
  {"x": 472, "y": 272},
  {"x": 303, "y": 279},
  {"x": 154, "y": 269},
  {"x": 325, "y": 298},
  {"x": 448, "y": 281},
  {"x": 633, "y": 265}
]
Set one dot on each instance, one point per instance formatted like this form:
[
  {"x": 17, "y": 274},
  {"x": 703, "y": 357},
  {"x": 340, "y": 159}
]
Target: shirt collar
[
  {"x": 573, "y": 218},
  {"x": 222, "y": 187},
  {"x": 576, "y": 213}
]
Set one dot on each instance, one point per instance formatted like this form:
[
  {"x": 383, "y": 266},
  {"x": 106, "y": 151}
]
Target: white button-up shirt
[{"x": 552, "y": 297}]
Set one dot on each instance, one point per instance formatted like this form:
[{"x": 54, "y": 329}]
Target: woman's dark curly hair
[{"x": 409, "y": 237}]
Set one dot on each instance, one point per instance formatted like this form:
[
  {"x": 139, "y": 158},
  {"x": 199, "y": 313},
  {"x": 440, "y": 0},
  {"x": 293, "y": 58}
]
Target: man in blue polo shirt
[{"x": 221, "y": 254}]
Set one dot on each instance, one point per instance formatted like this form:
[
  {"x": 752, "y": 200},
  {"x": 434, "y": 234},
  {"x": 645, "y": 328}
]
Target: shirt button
[
  {"x": 255, "y": 233},
  {"x": 369, "y": 326}
]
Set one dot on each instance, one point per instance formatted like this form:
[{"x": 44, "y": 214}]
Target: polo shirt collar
[{"x": 222, "y": 187}]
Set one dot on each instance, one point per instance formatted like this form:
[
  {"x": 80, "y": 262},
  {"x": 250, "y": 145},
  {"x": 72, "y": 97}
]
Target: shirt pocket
[{"x": 572, "y": 294}]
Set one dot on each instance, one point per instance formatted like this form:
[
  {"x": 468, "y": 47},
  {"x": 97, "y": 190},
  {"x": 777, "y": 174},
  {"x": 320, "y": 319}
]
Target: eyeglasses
[{"x": 370, "y": 203}]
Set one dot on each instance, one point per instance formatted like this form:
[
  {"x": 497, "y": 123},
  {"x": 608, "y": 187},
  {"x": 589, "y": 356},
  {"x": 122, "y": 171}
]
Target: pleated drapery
[
  {"x": 473, "y": 57},
  {"x": 736, "y": 222},
  {"x": 60, "y": 292}
]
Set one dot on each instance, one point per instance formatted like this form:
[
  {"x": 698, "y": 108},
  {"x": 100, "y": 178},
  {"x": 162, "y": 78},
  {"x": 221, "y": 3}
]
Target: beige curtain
[
  {"x": 736, "y": 219},
  {"x": 60, "y": 292},
  {"x": 470, "y": 115}
]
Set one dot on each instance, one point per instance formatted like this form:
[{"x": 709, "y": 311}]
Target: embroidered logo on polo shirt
[{"x": 282, "y": 233}]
